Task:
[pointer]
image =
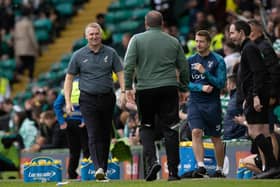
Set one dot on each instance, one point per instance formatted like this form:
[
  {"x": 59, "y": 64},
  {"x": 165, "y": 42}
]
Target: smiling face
[{"x": 93, "y": 35}]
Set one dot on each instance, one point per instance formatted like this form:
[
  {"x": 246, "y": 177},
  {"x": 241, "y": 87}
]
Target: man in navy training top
[{"x": 208, "y": 76}]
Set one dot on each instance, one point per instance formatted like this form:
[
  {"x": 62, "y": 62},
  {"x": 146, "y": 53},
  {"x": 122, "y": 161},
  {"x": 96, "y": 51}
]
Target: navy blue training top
[{"x": 214, "y": 75}]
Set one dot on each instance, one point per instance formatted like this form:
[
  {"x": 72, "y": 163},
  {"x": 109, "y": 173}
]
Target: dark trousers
[
  {"x": 7, "y": 166},
  {"x": 97, "y": 111},
  {"x": 161, "y": 104},
  {"x": 77, "y": 141},
  {"x": 27, "y": 62}
]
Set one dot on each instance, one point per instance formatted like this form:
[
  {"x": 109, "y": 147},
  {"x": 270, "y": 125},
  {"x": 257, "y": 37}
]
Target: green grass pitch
[{"x": 158, "y": 183}]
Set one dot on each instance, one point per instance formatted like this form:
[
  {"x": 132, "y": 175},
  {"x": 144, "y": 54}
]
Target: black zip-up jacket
[
  {"x": 267, "y": 51},
  {"x": 270, "y": 59},
  {"x": 252, "y": 75}
]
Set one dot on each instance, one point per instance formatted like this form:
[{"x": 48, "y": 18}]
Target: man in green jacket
[{"x": 157, "y": 61}]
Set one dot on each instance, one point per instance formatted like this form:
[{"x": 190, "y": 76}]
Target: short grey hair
[
  {"x": 93, "y": 25},
  {"x": 154, "y": 19}
]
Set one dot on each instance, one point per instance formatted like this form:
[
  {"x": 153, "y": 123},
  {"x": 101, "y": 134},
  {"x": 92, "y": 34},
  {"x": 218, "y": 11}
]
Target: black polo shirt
[{"x": 95, "y": 69}]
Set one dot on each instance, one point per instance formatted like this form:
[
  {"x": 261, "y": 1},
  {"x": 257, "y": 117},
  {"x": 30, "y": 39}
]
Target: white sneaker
[
  {"x": 99, "y": 174},
  {"x": 105, "y": 179}
]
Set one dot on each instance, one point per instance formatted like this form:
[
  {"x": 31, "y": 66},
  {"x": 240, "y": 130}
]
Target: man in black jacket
[
  {"x": 253, "y": 86},
  {"x": 264, "y": 44},
  {"x": 270, "y": 59}
]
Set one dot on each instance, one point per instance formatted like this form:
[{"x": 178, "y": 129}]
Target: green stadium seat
[
  {"x": 55, "y": 67},
  {"x": 43, "y": 24},
  {"x": 65, "y": 9},
  {"x": 8, "y": 74},
  {"x": 21, "y": 97},
  {"x": 117, "y": 37},
  {"x": 65, "y": 58},
  {"x": 56, "y": 2},
  {"x": 79, "y": 44},
  {"x": 139, "y": 14},
  {"x": 115, "y": 6},
  {"x": 43, "y": 29},
  {"x": 134, "y": 3},
  {"x": 9, "y": 64},
  {"x": 122, "y": 15},
  {"x": 111, "y": 27},
  {"x": 110, "y": 17},
  {"x": 128, "y": 26}
]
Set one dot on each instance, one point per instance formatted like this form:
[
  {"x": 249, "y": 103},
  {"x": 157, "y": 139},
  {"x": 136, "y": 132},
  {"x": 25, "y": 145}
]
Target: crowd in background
[{"x": 35, "y": 121}]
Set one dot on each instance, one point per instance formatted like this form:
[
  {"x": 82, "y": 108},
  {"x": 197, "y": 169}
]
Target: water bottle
[
  {"x": 247, "y": 174},
  {"x": 240, "y": 173}
]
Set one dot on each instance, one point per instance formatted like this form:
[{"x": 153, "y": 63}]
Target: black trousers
[
  {"x": 159, "y": 111},
  {"x": 7, "y": 166},
  {"x": 97, "y": 111},
  {"x": 27, "y": 62},
  {"x": 77, "y": 139}
]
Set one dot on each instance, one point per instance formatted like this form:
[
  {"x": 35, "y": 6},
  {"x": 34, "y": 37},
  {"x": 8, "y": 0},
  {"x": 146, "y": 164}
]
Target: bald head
[{"x": 153, "y": 19}]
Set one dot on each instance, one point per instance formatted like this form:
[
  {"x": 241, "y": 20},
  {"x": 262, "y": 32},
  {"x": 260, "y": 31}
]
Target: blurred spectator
[
  {"x": 24, "y": 127},
  {"x": 131, "y": 130},
  {"x": 6, "y": 45},
  {"x": 201, "y": 23},
  {"x": 217, "y": 38},
  {"x": 40, "y": 99},
  {"x": 5, "y": 89},
  {"x": 75, "y": 129},
  {"x": 50, "y": 134},
  {"x": 232, "y": 56},
  {"x": 233, "y": 130},
  {"x": 121, "y": 47},
  {"x": 6, "y": 108},
  {"x": 26, "y": 46},
  {"x": 6, "y": 15},
  {"x": 106, "y": 33},
  {"x": 216, "y": 8},
  {"x": 190, "y": 47},
  {"x": 51, "y": 97},
  {"x": 276, "y": 43},
  {"x": 166, "y": 8}
]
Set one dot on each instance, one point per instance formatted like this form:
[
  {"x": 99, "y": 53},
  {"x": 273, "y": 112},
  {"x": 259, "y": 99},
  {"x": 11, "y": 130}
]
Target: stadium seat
[
  {"x": 139, "y": 14},
  {"x": 122, "y": 15},
  {"x": 117, "y": 37},
  {"x": 115, "y": 6},
  {"x": 56, "y": 2},
  {"x": 134, "y": 3},
  {"x": 8, "y": 74},
  {"x": 79, "y": 44},
  {"x": 43, "y": 29},
  {"x": 110, "y": 17},
  {"x": 65, "y": 9},
  {"x": 66, "y": 58},
  {"x": 128, "y": 26},
  {"x": 8, "y": 64}
]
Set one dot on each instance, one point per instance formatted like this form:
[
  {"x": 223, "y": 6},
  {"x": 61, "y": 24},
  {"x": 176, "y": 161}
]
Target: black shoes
[
  {"x": 270, "y": 174},
  {"x": 152, "y": 173},
  {"x": 218, "y": 174},
  {"x": 173, "y": 178},
  {"x": 200, "y": 173}
]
